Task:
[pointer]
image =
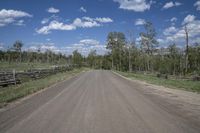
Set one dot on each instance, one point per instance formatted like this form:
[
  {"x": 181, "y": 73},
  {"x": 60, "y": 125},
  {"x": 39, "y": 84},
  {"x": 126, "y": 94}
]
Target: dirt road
[{"x": 99, "y": 102}]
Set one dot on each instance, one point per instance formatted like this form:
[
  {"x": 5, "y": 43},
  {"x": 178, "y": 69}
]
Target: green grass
[
  {"x": 12, "y": 93},
  {"x": 24, "y": 66},
  {"x": 171, "y": 83}
]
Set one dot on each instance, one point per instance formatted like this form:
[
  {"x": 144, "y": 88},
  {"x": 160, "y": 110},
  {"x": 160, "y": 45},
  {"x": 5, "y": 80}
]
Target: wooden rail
[{"x": 13, "y": 77}]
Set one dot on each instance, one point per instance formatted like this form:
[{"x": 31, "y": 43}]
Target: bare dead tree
[
  {"x": 187, "y": 48},
  {"x": 131, "y": 42}
]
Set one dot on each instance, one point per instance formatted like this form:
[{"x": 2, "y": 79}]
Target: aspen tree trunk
[{"x": 186, "y": 52}]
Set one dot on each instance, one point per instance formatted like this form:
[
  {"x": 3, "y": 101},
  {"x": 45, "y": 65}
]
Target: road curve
[{"x": 95, "y": 102}]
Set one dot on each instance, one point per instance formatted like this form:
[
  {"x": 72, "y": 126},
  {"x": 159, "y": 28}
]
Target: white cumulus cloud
[
  {"x": 134, "y": 5},
  {"x": 48, "y": 19},
  {"x": 20, "y": 23},
  {"x": 174, "y": 19},
  {"x": 1, "y": 46},
  {"x": 43, "y": 47},
  {"x": 140, "y": 21},
  {"x": 89, "y": 42},
  {"x": 54, "y": 25},
  {"x": 84, "y": 22},
  {"x": 189, "y": 18},
  {"x": 170, "y": 30},
  {"x": 85, "y": 46},
  {"x": 197, "y": 4},
  {"x": 178, "y": 34},
  {"x": 11, "y": 16},
  {"x": 82, "y": 9},
  {"x": 171, "y": 4},
  {"x": 44, "y": 21},
  {"x": 53, "y": 10},
  {"x": 104, "y": 20}
]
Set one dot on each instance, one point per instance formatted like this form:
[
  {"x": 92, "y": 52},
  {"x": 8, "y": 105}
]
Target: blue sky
[{"x": 66, "y": 25}]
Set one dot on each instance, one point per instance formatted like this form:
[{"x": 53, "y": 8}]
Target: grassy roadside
[
  {"x": 24, "y": 66},
  {"x": 193, "y": 86},
  {"x": 12, "y": 93}
]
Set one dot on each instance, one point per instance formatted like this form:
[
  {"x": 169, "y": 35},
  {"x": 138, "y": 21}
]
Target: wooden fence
[{"x": 13, "y": 77}]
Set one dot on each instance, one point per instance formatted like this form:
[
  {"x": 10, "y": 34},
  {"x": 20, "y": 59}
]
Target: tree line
[
  {"x": 126, "y": 55},
  {"x": 16, "y": 55},
  {"x": 123, "y": 55}
]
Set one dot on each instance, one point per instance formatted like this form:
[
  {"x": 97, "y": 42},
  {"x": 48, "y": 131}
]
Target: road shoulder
[
  {"x": 21, "y": 108},
  {"x": 188, "y": 102}
]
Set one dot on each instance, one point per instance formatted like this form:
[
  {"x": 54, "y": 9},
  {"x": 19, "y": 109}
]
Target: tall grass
[
  {"x": 188, "y": 85},
  {"x": 12, "y": 93},
  {"x": 24, "y": 66}
]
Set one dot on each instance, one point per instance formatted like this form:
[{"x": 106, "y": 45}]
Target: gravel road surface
[{"x": 100, "y": 101}]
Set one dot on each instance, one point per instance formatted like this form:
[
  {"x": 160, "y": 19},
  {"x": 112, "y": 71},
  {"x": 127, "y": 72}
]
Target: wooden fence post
[{"x": 14, "y": 76}]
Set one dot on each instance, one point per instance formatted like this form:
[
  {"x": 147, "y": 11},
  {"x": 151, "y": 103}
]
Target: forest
[
  {"x": 148, "y": 56},
  {"x": 124, "y": 55}
]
